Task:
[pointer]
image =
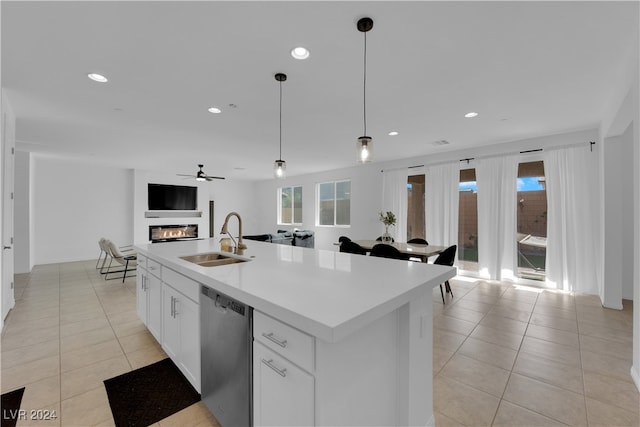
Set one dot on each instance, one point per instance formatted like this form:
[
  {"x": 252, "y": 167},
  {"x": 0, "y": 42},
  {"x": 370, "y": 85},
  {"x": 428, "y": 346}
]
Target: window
[
  {"x": 468, "y": 221},
  {"x": 415, "y": 206},
  {"x": 290, "y": 205},
  {"x": 532, "y": 221},
  {"x": 334, "y": 203}
]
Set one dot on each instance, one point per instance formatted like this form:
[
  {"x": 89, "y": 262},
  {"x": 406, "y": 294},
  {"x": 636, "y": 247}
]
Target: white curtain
[
  {"x": 442, "y": 197},
  {"x": 571, "y": 262},
  {"x": 497, "y": 217},
  {"x": 394, "y": 199}
]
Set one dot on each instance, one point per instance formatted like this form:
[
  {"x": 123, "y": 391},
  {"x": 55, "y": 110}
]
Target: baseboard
[
  {"x": 636, "y": 377},
  {"x": 431, "y": 422}
]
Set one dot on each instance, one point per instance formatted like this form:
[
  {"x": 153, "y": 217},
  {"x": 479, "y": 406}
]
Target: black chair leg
[
  {"x": 126, "y": 266},
  {"x": 449, "y": 291},
  {"x": 442, "y": 293}
]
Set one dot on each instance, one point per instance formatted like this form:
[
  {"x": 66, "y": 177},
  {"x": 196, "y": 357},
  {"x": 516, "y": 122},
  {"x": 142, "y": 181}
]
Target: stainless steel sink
[{"x": 212, "y": 259}]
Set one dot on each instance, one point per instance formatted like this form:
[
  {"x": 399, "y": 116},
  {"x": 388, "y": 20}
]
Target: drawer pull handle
[
  {"x": 273, "y": 339},
  {"x": 269, "y": 363}
]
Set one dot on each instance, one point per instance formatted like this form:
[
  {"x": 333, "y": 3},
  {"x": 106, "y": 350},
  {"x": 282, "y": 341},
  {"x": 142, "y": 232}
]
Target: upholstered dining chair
[
  {"x": 128, "y": 261},
  {"x": 352, "y": 248},
  {"x": 418, "y": 240},
  {"x": 446, "y": 257},
  {"x": 379, "y": 239},
  {"x": 343, "y": 239},
  {"x": 387, "y": 251}
]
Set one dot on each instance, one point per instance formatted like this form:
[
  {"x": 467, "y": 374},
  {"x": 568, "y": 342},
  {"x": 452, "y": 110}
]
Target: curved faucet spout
[{"x": 225, "y": 230}]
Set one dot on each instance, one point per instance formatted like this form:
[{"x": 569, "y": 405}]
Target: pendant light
[
  {"x": 364, "y": 145},
  {"x": 280, "y": 166}
]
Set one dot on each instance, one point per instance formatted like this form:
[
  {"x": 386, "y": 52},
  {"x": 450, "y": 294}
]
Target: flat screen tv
[{"x": 172, "y": 197}]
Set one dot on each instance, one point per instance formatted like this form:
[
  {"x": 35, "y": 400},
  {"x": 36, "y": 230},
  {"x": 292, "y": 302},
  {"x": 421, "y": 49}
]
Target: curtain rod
[{"x": 469, "y": 159}]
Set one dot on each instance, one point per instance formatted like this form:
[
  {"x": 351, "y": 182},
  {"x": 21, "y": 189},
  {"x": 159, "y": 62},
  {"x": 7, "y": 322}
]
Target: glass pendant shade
[
  {"x": 364, "y": 149},
  {"x": 280, "y": 169}
]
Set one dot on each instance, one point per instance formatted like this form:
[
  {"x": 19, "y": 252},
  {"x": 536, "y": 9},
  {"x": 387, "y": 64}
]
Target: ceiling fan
[{"x": 201, "y": 176}]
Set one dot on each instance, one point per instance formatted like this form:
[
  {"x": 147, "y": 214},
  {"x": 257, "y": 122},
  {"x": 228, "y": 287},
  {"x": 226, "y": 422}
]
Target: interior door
[{"x": 8, "y": 161}]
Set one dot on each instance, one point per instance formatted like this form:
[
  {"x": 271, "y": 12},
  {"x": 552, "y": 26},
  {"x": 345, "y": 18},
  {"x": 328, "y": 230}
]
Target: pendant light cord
[
  {"x": 280, "y": 120},
  {"x": 364, "y": 89}
]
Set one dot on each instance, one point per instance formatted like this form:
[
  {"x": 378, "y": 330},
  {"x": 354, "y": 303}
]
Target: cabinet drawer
[
  {"x": 153, "y": 267},
  {"x": 183, "y": 284},
  {"x": 283, "y": 394},
  {"x": 142, "y": 261},
  {"x": 285, "y": 340}
]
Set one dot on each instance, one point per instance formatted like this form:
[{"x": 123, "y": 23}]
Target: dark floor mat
[
  {"x": 10, "y": 403},
  {"x": 150, "y": 394}
]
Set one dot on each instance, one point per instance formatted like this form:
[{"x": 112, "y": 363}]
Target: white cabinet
[
  {"x": 283, "y": 388},
  {"x": 283, "y": 393},
  {"x": 181, "y": 332},
  {"x": 149, "y": 296}
]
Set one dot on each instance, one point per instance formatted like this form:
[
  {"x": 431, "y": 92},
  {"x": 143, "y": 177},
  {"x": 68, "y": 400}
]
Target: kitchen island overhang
[{"x": 337, "y": 298}]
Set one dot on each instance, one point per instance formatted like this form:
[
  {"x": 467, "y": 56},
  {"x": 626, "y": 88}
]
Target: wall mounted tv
[{"x": 172, "y": 197}]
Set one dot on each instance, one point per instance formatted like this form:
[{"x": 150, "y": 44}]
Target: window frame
[
  {"x": 279, "y": 205},
  {"x": 335, "y": 204}
]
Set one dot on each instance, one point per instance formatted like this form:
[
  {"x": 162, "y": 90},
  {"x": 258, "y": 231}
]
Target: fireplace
[{"x": 171, "y": 233}]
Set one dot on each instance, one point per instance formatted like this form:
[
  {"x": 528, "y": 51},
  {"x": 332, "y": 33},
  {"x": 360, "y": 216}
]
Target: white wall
[
  {"x": 235, "y": 196},
  {"x": 22, "y": 221},
  {"x": 74, "y": 205}
]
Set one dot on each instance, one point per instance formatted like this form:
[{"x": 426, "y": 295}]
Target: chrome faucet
[{"x": 240, "y": 246}]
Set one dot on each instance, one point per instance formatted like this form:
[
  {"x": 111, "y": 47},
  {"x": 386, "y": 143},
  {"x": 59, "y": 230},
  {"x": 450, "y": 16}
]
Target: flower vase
[{"x": 386, "y": 237}]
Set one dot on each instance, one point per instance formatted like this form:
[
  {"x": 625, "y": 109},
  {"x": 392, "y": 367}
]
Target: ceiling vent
[{"x": 441, "y": 142}]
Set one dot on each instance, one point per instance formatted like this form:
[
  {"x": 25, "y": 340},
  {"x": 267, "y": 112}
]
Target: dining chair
[
  {"x": 379, "y": 239},
  {"x": 418, "y": 241},
  {"x": 352, "y": 248},
  {"x": 387, "y": 251},
  {"x": 343, "y": 239},
  {"x": 446, "y": 257}
]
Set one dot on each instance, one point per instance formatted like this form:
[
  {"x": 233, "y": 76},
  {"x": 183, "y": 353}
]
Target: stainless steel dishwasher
[{"x": 226, "y": 331}]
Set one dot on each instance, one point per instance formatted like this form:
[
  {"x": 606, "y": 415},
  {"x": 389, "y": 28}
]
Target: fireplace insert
[{"x": 172, "y": 233}]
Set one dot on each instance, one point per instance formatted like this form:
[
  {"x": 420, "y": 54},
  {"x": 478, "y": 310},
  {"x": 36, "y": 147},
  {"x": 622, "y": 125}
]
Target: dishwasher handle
[{"x": 218, "y": 304}]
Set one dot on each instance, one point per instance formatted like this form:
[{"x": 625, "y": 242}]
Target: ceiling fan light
[
  {"x": 364, "y": 149},
  {"x": 280, "y": 169}
]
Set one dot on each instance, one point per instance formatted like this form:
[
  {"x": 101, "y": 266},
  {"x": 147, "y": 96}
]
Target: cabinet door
[
  {"x": 154, "y": 306},
  {"x": 283, "y": 394},
  {"x": 141, "y": 295},
  {"x": 170, "y": 329},
  {"x": 188, "y": 317}
]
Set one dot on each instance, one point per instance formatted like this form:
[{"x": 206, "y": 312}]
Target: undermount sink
[{"x": 212, "y": 259}]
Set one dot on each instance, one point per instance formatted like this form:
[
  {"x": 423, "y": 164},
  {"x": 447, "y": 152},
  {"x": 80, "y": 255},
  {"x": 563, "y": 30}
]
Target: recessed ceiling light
[
  {"x": 300, "y": 52},
  {"x": 214, "y": 110},
  {"x": 471, "y": 115},
  {"x": 393, "y": 133},
  {"x": 97, "y": 77}
]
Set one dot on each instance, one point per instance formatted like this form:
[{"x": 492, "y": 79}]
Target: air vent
[{"x": 441, "y": 142}]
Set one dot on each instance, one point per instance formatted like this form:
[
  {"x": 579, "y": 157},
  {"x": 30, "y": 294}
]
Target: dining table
[{"x": 416, "y": 250}]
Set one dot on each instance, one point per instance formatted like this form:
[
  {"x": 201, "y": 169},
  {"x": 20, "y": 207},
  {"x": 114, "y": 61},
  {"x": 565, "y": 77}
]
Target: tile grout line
[{"x": 514, "y": 363}]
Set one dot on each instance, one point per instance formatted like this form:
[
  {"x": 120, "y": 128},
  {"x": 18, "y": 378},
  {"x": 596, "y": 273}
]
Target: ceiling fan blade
[
  {"x": 182, "y": 174},
  {"x": 211, "y": 178}
]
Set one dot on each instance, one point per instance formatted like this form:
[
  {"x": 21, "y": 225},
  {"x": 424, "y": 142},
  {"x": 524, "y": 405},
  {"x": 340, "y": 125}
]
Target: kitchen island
[{"x": 359, "y": 328}]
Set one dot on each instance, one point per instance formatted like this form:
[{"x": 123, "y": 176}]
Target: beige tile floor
[
  {"x": 503, "y": 356},
  {"x": 68, "y": 332}
]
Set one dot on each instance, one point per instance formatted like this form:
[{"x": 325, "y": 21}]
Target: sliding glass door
[
  {"x": 532, "y": 221},
  {"x": 468, "y": 221}
]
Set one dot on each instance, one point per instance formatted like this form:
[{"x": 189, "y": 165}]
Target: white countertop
[{"x": 324, "y": 293}]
